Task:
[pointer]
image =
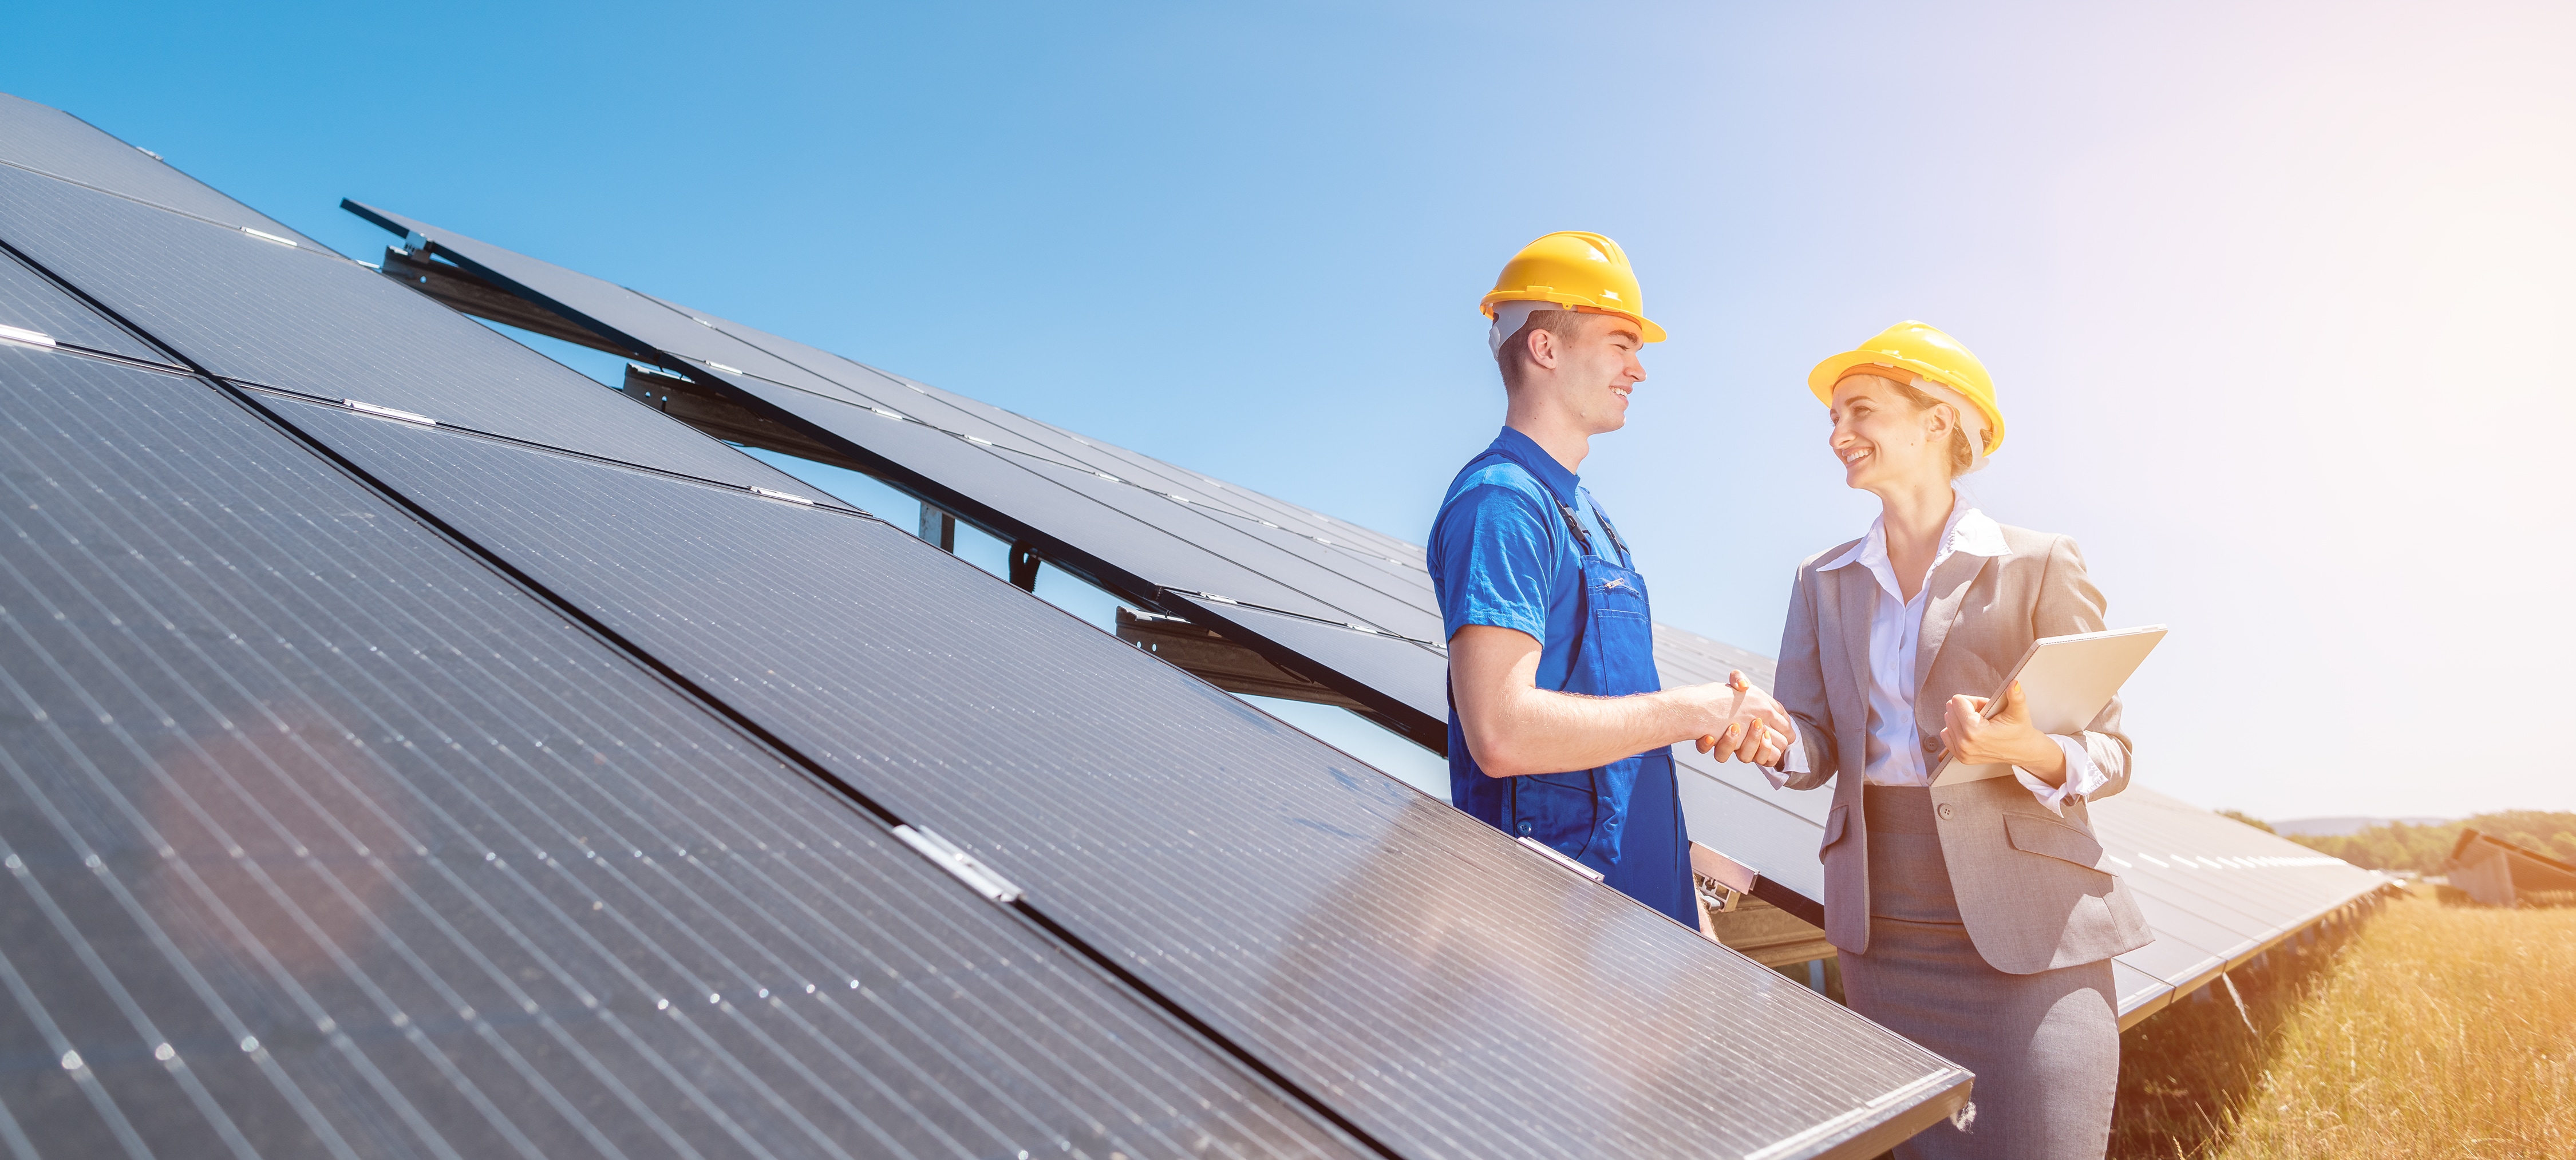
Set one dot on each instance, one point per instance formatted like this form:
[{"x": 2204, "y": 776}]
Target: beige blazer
[{"x": 2033, "y": 888}]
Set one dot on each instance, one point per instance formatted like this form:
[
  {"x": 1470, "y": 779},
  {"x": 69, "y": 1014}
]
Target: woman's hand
[{"x": 2006, "y": 737}]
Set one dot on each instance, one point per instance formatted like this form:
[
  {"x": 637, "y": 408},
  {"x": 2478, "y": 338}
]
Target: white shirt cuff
[
  {"x": 1794, "y": 761},
  {"x": 2082, "y": 776}
]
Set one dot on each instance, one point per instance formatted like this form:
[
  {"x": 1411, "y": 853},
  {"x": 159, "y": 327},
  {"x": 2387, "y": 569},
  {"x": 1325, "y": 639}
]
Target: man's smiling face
[{"x": 1598, "y": 369}]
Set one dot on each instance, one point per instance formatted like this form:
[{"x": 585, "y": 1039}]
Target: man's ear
[{"x": 1542, "y": 348}]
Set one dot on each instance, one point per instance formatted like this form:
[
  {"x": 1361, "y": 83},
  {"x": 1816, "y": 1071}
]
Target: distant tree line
[{"x": 2398, "y": 846}]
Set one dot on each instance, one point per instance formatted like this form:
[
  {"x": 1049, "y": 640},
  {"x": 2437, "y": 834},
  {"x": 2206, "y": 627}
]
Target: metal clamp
[
  {"x": 1560, "y": 859},
  {"x": 959, "y": 864}
]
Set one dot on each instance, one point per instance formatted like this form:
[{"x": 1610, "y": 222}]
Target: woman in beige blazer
[{"x": 1976, "y": 919}]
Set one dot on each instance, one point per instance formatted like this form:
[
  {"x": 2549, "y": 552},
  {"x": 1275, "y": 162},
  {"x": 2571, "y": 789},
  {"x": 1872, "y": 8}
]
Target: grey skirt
[{"x": 2045, "y": 1047}]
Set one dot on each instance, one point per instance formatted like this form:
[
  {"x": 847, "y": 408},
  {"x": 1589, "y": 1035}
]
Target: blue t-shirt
[{"x": 1500, "y": 553}]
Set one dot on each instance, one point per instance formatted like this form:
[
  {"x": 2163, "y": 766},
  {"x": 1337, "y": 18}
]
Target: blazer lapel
[
  {"x": 1856, "y": 600},
  {"x": 1949, "y": 588}
]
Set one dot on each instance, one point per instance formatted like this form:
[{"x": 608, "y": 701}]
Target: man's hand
[
  {"x": 1979, "y": 732},
  {"x": 1514, "y": 728},
  {"x": 1754, "y": 729}
]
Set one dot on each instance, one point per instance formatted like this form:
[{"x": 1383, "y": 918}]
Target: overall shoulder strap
[
  {"x": 1603, "y": 514},
  {"x": 1573, "y": 523}
]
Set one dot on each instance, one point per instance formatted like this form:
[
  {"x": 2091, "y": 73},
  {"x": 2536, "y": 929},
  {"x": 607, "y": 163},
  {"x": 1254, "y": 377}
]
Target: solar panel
[
  {"x": 1135, "y": 533},
  {"x": 322, "y": 838},
  {"x": 319, "y": 324},
  {"x": 1448, "y": 991},
  {"x": 1163, "y": 538},
  {"x": 2216, "y": 891},
  {"x": 628, "y": 317},
  {"x": 51, "y": 141}
]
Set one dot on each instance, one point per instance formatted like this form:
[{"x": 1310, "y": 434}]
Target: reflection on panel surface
[{"x": 321, "y": 838}]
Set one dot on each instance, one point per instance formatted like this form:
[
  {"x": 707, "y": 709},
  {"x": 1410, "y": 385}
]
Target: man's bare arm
[{"x": 1514, "y": 727}]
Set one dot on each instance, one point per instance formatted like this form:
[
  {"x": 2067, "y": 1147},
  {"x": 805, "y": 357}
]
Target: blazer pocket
[
  {"x": 1834, "y": 827},
  {"x": 2053, "y": 839}
]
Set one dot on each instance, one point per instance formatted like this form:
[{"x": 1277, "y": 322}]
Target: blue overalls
[{"x": 1624, "y": 818}]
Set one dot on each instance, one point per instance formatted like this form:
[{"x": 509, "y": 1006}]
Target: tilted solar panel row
[
  {"x": 1166, "y": 539},
  {"x": 2216, "y": 891},
  {"x": 1296, "y": 954}
]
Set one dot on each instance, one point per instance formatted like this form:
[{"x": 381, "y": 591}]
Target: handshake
[{"x": 1740, "y": 722}]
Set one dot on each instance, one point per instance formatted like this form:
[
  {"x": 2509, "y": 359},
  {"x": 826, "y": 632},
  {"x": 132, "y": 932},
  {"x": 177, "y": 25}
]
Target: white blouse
[{"x": 1895, "y": 629}]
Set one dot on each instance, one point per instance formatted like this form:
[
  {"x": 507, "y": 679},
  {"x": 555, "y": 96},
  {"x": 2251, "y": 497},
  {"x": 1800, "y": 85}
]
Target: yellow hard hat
[
  {"x": 1917, "y": 349},
  {"x": 1577, "y": 271}
]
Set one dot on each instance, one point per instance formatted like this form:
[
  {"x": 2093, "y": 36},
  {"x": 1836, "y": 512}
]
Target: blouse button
[{"x": 1946, "y": 812}]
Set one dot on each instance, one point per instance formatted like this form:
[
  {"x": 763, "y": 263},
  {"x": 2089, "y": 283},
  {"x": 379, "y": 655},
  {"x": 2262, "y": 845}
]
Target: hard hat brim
[
  {"x": 1577, "y": 303},
  {"x": 1842, "y": 366}
]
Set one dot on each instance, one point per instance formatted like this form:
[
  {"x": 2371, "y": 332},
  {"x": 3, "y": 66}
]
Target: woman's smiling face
[{"x": 1882, "y": 438}]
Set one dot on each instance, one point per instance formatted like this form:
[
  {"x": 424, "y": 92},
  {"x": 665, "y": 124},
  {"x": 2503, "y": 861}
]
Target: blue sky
[{"x": 2268, "y": 290}]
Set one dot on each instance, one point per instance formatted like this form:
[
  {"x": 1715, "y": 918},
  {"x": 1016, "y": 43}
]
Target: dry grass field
[{"x": 2436, "y": 1031}]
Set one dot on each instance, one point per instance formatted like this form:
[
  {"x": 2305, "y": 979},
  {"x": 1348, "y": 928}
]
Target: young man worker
[{"x": 1560, "y": 731}]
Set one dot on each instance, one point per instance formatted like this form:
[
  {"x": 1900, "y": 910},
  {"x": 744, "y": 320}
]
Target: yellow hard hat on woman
[
  {"x": 1572, "y": 270},
  {"x": 1916, "y": 351}
]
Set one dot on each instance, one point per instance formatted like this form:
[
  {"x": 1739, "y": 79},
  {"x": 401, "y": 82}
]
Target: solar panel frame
[
  {"x": 301, "y": 869},
  {"x": 1080, "y": 791}
]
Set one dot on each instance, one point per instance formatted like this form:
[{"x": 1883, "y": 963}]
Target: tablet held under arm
[{"x": 2066, "y": 680}]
